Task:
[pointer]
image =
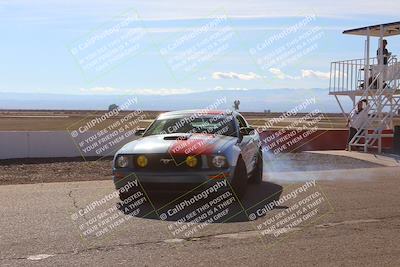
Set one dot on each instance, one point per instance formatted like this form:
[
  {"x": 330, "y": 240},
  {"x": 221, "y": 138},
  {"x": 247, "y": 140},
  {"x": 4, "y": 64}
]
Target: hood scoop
[{"x": 176, "y": 137}]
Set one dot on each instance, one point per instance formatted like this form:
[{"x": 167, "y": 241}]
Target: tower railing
[
  {"x": 347, "y": 75},
  {"x": 350, "y": 76}
]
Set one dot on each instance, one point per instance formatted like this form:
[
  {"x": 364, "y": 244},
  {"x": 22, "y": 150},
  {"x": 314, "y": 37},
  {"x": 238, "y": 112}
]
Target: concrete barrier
[
  {"x": 51, "y": 144},
  {"x": 48, "y": 144},
  {"x": 312, "y": 141},
  {"x": 14, "y": 145}
]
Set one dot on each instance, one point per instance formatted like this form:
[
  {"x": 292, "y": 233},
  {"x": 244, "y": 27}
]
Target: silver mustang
[{"x": 181, "y": 150}]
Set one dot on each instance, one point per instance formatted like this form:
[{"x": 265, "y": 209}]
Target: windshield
[{"x": 222, "y": 125}]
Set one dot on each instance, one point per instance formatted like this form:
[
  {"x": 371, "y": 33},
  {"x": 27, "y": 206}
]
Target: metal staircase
[{"x": 383, "y": 103}]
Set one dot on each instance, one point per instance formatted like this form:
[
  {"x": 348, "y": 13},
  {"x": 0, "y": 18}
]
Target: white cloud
[
  {"x": 137, "y": 91},
  {"x": 190, "y": 9},
  {"x": 315, "y": 74},
  {"x": 155, "y": 10},
  {"x": 220, "y": 88},
  {"x": 99, "y": 90},
  {"x": 281, "y": 75},
  {"x": 233, "y": 75},
  {"x": 278, "y": 73},
  {"x": 152, "y": 91},
  {"x": 304, "y": 74}
]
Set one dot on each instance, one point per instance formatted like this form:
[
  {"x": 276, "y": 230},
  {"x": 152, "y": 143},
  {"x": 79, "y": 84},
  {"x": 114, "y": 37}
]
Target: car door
[{"x": 248, "y": 145}]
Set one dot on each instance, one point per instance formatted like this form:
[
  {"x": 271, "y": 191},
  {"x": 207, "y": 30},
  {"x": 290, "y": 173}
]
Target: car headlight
[
  {"x": 219, "y": 161},
  {"x": 122, "y": 161},
  {"x": 142, "y": 161},
  {"x": 191, "y": 161}
]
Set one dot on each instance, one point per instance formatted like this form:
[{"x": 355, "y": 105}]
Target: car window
[
  {"x": 242, "y": 122},
  {"x": 212, "y": 125}
]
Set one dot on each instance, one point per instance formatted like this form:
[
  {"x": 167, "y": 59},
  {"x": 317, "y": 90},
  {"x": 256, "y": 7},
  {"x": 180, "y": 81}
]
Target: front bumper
[{"x": 172, "y": 181}]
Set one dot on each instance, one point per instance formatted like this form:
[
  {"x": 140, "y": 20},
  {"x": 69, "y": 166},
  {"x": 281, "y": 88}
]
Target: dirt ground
[
  {"x": 32, "y": 171},
  {"x": 71, "y": 120},
  {"x": 20, "y": 171}
]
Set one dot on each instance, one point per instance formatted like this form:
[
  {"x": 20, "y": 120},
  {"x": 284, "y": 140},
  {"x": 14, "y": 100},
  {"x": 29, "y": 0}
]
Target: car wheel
[
  {"x": 239, "y": 183},
  {"x": 257, "y": 174}
]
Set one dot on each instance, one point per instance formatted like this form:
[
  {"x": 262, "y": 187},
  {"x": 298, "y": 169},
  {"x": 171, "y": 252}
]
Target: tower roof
[{"x": 389, "y": 29}]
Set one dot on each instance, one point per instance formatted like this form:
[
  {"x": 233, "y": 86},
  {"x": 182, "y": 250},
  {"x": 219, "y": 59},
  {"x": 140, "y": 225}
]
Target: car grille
[{"x": 165, "y": 162}]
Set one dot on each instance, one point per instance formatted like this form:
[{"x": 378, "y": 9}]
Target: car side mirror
[
  {"x": 246, "y": 131},
  {"x": 140, "y": 131}
]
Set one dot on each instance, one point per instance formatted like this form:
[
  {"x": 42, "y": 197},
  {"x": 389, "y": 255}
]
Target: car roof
[{"x": 200, "y": 112}]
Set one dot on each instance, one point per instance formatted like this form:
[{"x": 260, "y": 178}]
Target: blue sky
[{"x": 37, "y": 37}]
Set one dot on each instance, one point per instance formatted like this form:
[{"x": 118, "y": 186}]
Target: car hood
[{"x": 179, "y": 144}]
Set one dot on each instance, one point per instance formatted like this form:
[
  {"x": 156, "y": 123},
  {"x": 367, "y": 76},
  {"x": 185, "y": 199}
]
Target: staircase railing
[{"x": 378, "y": 99}]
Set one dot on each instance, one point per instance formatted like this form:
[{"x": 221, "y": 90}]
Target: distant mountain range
[{"x": 275, "y": 100}]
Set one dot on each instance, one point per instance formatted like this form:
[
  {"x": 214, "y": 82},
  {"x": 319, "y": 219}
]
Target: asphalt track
[{"x": 358, "y": 224}]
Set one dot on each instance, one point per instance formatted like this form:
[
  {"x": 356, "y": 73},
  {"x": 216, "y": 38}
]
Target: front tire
[
  {"x": 239, "y": 183},
  {"x": 257, "y": 173}
]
